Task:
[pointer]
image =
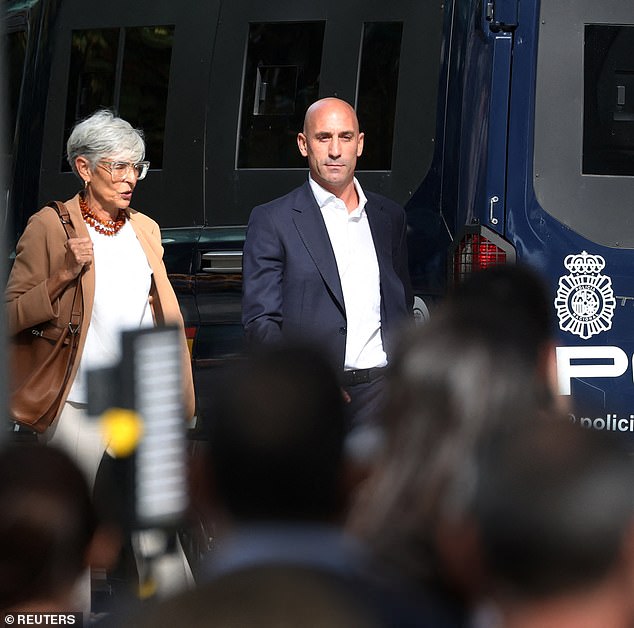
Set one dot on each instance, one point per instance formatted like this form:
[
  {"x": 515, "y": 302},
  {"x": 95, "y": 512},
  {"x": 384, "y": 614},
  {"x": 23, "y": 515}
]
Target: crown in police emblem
[{"x": 583, "y": 264}]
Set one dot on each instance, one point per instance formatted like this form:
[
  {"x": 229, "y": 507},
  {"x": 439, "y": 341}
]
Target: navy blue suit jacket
[{"x": 291, "y": 286}]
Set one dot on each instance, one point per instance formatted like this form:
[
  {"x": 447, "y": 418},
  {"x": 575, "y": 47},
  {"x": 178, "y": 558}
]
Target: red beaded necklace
[{"x": 105, "y": 227}]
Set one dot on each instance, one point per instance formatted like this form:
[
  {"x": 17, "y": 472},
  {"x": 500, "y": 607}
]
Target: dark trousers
[
  {"x": 365, "y": 419},
  {"x": 367, "y": 402}
]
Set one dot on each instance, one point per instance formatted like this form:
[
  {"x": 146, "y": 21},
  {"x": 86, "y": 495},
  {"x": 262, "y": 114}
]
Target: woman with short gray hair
[{"x": 118, "y": 258}]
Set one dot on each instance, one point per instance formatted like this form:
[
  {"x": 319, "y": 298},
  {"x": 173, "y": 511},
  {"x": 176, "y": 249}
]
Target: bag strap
[
  {"x": 64, "y": 217},
  {"x": 77, "y": 307}
]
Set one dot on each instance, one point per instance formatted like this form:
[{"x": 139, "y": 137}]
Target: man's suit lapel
[
  {"x": 313, "y": 233},
  {"x": 381, "y": 229}
]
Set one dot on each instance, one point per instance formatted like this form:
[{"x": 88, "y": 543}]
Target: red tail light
[{"x": 478, "y": 250}]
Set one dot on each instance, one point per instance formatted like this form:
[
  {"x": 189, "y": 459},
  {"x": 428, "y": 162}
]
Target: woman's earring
[{"x": 85, "y": 184}]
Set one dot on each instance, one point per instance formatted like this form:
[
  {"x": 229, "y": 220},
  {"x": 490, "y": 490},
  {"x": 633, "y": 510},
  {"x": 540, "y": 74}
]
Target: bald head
[{"x": 327, "y": 105}]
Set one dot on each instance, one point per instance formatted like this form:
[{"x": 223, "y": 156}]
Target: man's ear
[
  {"x": 360, "y": 144},
  {"x": 301, "y": 144}
]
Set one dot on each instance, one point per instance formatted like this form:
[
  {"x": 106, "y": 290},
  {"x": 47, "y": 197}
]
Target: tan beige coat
[{"x": 40, "y": 253}]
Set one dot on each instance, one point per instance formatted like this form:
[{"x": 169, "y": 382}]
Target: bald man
[{"x": 327, "y": 263}]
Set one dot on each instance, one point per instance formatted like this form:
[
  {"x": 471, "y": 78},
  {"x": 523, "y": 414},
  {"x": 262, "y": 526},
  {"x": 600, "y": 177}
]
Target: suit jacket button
[{"x": 343, "y": 331}]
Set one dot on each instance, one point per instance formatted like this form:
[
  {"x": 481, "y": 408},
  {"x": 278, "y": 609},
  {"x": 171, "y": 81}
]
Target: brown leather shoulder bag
[{"x": 41, "y": 358}]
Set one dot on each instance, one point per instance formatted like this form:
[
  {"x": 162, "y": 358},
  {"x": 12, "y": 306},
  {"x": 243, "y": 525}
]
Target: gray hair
[{"x": 103, "y": 135}]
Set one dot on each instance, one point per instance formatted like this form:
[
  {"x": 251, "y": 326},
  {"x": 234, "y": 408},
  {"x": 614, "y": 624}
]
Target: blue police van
[
  {"x": 542, "y": 171},
  {"x": 505, "y": 128}
]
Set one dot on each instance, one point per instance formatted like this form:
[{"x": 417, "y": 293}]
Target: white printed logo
[{"x": 585, "y": 300}]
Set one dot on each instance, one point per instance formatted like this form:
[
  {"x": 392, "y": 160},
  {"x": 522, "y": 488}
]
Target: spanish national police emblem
[{"x": 585, "y": 300}]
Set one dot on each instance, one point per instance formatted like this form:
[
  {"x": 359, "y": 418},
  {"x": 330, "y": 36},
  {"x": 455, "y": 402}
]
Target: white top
[
  {"x": 122, "y": 286},
  {"x": 358, "y": 267}
]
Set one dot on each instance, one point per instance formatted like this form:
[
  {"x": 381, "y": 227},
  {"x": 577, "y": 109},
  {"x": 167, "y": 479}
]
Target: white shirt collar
[{"x": 323, "y": 196}]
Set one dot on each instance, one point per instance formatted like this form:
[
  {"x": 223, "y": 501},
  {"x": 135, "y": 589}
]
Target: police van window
[
  {"x": 125, "y": 69},
  {"x": 608, "y": 129},
  {"x": 376, "y": 97},
  {"x": 583, "y": 165},
  {"x": 281, "y": 78}
]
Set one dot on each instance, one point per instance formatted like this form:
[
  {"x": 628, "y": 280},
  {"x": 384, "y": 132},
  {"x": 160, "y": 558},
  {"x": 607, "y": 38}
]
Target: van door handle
[
  {"x": 492, "y": 201},
  {"x": 225, "y": 262}
]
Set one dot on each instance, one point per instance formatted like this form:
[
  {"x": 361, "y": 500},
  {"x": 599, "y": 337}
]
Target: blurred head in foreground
[
  {"x": 452, "y": 380},
  {"x": 516, "y": 295},
  {"x": 555, "y": 510},
  {"x": 276, "y": 438},
  {"x": 49, "y": 532}
]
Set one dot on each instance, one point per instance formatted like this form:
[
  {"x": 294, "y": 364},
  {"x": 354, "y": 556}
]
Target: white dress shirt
[{"x": 352, "y": 243}]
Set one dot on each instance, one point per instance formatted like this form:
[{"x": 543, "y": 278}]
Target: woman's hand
[{"x": 79, "y": 255}]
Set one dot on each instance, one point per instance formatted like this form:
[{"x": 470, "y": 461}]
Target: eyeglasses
[{"x": 119, "y": 169}]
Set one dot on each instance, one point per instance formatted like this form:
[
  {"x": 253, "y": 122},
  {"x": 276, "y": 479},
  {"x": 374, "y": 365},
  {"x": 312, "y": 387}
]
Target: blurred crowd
[{"x": 475, "y": 503}]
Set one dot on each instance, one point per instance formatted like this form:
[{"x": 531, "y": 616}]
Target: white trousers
[{"x": 80, "y": 437}]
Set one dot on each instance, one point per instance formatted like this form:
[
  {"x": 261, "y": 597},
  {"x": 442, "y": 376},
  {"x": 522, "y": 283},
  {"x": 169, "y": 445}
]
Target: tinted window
[
  {"x": 124, "y": 69},
  {"x": 15, "y": 55},
  {"x": 281, "y": 78},
  {"x": 584, "y": 118},
  {"x": 608, "y": 129},
  {"x": 376, "y": 100}
]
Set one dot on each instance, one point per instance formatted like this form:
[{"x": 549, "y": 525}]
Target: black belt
[{"x": 361, "y": 376}]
